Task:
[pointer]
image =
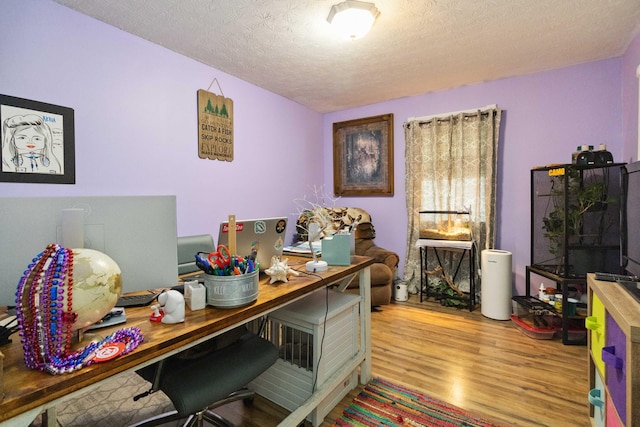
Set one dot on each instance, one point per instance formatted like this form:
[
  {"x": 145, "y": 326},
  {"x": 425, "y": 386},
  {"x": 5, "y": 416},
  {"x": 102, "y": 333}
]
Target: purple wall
[
  {"x": 136, "y": 131},
  {"x": 545, "y": 116},
  {"x": 136, "y": 120}
]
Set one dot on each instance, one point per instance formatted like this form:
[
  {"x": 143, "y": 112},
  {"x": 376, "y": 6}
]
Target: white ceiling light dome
[{"x": 353, "y": 18}]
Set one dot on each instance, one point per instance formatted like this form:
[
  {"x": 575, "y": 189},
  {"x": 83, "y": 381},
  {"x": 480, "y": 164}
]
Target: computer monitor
[
  {"x": 631, "y": 218},
  {"x": 138, "y": 232}
]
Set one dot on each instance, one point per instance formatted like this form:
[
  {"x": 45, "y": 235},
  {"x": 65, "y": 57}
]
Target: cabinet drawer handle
[
  {"x": 595, "y": 398},
  {"x": 591, "y": 323},
  {"x": 610, "y": 359}
]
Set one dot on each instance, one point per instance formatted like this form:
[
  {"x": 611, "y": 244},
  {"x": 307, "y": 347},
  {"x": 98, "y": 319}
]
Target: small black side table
[{"x": 466, "y": 246}]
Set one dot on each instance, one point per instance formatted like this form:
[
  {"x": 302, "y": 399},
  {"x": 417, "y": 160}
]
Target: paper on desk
[{"x": 302, "y": 248}]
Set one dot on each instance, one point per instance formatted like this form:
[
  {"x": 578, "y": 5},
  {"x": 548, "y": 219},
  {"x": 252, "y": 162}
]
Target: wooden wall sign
[{"x": 215, "y": 126}]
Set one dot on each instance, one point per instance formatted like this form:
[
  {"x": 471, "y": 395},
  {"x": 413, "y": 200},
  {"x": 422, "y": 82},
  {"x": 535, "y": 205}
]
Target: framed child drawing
[{"x": 37, "y": 142}]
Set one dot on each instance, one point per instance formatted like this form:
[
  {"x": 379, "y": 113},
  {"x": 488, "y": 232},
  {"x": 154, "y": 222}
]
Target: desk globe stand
[{"x": 83, "y": 337}]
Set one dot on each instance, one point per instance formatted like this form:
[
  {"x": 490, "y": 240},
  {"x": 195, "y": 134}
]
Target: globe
[{"x": 97, "y": 284}]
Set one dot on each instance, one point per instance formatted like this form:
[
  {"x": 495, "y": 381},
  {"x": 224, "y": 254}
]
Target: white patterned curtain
[{"x": 450, "y": 164}]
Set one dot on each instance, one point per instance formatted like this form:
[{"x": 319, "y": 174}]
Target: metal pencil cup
[{"x": 231, "y": 291}]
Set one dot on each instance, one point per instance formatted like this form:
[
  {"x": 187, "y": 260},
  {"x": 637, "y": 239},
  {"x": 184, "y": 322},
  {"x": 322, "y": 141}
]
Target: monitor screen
[
  {"x": 631, "y": 218},
  {"x": 138, "y": 232}
]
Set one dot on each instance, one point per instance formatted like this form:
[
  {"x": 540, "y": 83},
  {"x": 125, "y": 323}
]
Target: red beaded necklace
[{"x": 44, "y": 308}]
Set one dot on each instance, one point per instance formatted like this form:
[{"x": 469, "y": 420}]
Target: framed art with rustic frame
[
  {"x": 363, "y": 157},
  {"x": 38, "y": 142}
]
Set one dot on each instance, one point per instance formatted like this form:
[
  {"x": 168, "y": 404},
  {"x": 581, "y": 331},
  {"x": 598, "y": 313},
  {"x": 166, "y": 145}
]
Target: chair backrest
[{"x": 188, "y": 247}]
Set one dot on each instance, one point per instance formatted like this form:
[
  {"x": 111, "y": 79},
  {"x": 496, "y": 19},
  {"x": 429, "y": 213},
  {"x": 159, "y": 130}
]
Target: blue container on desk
[{"x": 336, "y": 249}]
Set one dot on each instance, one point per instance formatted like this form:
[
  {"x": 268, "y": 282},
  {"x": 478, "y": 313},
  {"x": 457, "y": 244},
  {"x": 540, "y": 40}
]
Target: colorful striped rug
[{"x": 382, "y": 403}]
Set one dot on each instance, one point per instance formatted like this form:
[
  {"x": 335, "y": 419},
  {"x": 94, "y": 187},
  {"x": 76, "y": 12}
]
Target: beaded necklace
[{"x": 44, "y": 308}]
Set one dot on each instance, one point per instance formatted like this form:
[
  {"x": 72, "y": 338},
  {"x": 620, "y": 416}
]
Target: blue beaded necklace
[{"x": 44, "y": 308}]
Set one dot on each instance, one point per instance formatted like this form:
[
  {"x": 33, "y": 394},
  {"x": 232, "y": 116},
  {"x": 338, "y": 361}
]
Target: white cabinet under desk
[{"x": 316, "y": 337}]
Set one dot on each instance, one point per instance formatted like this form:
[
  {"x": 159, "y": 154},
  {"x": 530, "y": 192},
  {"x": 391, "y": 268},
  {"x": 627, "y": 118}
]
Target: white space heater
[{"x": 496, "y": 284}]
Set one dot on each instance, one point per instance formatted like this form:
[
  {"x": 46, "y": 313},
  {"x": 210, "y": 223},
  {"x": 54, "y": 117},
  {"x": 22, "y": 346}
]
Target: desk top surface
[{"x": 26, "y": 389}]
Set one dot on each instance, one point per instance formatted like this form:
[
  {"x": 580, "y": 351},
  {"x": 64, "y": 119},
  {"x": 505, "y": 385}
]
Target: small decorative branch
[
  {"x": 317, "y": 217},
  {"x": 438, "y": 271}
]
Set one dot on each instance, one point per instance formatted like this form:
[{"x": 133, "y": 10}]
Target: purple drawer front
[{"x": 614, "y": 355}]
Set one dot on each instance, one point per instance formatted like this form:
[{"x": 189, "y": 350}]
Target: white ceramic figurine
[{"x": 172, "y": 303}]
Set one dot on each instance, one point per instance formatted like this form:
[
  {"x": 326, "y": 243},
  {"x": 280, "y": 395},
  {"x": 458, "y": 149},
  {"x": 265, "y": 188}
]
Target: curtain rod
[{"x": 454, "y": 113}]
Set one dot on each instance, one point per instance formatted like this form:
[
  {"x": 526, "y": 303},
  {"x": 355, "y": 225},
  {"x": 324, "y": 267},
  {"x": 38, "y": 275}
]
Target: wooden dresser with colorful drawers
[{"x": 614, "y": 355}]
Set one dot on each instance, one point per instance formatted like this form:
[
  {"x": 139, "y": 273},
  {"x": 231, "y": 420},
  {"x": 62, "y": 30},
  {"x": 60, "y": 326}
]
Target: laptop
[{"x": 266, "y": 235}]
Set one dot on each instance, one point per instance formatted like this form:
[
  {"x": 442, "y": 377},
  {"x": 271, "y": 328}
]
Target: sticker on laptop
[
  {"x": 259, "y": 227},
  {"x": 279, "y": 244}
]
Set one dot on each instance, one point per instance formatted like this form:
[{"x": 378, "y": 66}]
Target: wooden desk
[{"x": 29, "y": 392}]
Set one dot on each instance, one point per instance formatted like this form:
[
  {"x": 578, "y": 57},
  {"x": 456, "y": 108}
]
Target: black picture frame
[{"x": 37, "y": 123}]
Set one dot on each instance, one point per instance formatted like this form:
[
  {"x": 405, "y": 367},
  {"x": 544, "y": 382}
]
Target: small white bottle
[{"x": 541, "y": 291}]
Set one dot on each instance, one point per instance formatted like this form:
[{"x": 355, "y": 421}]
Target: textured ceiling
[{"x": 414, "y": 47}]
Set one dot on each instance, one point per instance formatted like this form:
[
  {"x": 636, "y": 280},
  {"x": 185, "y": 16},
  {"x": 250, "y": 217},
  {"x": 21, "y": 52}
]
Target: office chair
[
  {"x": 188, "y": 246},
  {"x": 212, "y": 374},
  {"x": 197, "y": 385}
]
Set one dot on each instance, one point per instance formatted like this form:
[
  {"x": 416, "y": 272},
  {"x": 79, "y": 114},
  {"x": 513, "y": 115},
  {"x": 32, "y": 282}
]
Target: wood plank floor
[{"x": 468, "y": 360}]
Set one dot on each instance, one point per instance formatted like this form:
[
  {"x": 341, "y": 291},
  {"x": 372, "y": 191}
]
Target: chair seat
[{"x": 194, "y": 384}]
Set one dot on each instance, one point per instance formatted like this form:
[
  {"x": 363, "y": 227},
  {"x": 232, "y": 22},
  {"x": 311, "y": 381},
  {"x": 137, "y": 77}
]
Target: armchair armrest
[{"x": 366, "y": 247}]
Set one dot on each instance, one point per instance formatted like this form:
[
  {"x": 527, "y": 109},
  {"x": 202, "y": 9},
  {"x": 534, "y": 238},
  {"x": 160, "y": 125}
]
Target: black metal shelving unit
[
  {"x": 575, "y": 228},
  {"x": 562, "y": 283}
]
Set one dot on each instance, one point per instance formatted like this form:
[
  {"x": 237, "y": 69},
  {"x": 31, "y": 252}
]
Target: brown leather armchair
[{"x": 386, "y": 261}]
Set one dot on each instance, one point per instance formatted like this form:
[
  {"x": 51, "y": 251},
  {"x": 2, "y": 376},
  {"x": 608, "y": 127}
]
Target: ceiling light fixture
[{"x": 353, "y": 18}]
